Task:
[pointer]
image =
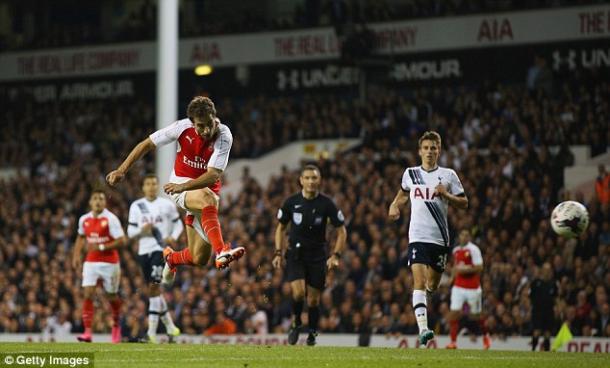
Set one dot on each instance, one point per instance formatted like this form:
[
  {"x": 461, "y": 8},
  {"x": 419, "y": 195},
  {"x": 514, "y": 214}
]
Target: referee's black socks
[
  {"x": 314, "y": 317},
  {"x": 297, "y": 309}
]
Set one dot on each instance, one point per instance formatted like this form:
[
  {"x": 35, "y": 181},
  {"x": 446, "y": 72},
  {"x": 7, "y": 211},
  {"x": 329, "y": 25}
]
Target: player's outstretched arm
[
  {"x": 400, "y": 200},
  {"x": 116, "y": 176}
]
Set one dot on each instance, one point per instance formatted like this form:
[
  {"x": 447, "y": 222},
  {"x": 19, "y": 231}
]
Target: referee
[
  {"x": 308, "y": 212},
  {"x": 543, "y": 292}
]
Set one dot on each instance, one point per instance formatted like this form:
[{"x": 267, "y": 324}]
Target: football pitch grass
[{"x": 249, "y": 356}]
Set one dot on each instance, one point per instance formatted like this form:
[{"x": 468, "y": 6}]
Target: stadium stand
[{"x": 498, "y": 136}]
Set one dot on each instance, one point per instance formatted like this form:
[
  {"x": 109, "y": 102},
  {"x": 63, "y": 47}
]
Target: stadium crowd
[
  {"x": 497, "y": 137},
  {"x": 81, "y": 23}
]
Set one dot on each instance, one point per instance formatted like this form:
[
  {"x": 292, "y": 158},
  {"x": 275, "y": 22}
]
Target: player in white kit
[
  {"x": 431, "y": 190},
  {"x": 202, "y": 155},
  {"x": 154, "y": 222}
]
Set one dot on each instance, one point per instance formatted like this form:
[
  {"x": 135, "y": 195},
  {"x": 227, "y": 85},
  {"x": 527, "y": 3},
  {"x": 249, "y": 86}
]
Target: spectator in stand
[{"x": 602, "y": 185}]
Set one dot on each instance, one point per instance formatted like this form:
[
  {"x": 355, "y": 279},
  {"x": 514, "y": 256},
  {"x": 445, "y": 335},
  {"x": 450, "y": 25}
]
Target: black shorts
[
  {"x": 430, "y": 254},
  {"x": 543, "y": 320},
  {"x": 152, "y": 266},
  {"x": 313, "y": 272}
]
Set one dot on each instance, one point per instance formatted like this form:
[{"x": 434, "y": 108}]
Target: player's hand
[
  {"x": 77, "y": 261},
  {"x": 92, "y": 247},
  {"x": 173, "y": 188},
  {"x": 394, "y": 212},
  {"x": 146, "y": 230},
  {"x": 277, "y": 261},
  {"x": 115, "y": 177},
  {"x": 332, "y": 262},
  {"x": 441, "y": 190}
]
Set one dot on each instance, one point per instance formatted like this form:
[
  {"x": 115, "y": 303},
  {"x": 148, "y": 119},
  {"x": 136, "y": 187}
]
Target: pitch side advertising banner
[
  {"x": 521, "y": 343},
  {"x": 71, "y": 89},
  {"x": 511, "y": 64},
  {"x": 393, "y": 38}
]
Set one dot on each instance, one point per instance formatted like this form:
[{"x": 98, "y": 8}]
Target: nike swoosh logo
[{"x": 297, "y": 206}]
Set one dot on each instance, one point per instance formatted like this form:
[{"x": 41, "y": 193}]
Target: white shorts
[
  {"x": 179, "y": 200},
  {"x": 109, "y": 273},
  {"x": 472, "y": 297}
]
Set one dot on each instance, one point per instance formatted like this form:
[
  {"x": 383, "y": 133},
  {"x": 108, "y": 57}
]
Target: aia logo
[{"x": 426, "y": 194}]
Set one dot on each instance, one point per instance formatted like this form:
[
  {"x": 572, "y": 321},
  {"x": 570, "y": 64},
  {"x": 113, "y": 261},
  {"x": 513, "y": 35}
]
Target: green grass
[{"x": 248, "y": 356}]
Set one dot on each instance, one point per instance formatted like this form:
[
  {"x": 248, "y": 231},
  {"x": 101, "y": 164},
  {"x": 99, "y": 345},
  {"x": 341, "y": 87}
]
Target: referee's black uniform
[
  {"x": 542, "y": 295},
  {"x": 307, "y": 249}
]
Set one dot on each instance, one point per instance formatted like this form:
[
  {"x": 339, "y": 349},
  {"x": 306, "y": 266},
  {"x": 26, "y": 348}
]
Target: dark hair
[
  {"x": 201, "y": 108},
  {"x": 97, "y": 190},
  {"x": 310, "y": 167},
  {"x": 149, "y": 176},
  {"x": 431, "y": 136}
]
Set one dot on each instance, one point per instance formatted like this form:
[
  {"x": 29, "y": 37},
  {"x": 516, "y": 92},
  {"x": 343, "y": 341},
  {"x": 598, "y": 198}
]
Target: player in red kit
[
  {"x": 202, "y": 155},
  {"x": 101, "y": 234},
  {"x": 468, "y": 265}
]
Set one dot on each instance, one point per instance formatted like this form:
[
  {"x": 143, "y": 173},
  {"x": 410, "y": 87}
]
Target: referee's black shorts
[
  {"x": 312, "y": 271},
  {"x": 543, "y": 320}
]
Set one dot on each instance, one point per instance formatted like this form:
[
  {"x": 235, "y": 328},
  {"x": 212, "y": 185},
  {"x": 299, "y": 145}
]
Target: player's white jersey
[
  {"x": 429, "y": 210},
  {"x": 162, "y": 214}
]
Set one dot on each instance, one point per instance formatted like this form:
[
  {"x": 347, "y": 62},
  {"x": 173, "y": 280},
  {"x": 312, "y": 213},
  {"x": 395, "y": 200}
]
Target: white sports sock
[
  {"x": 166, "y": 317},
  {"x": 420, "y": 309},
  {"x": 154, "y": 308}
]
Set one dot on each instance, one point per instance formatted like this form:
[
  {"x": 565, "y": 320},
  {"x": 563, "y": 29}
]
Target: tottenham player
[
  {"x": 308, "y": 213},
  {"x": 431, "y": 190},
  {"x": 153, "y": 223},
  {"x": 202, "y": 155},
  {"x": 467, "y": 268},
  {"x": 100, "y": 234}
]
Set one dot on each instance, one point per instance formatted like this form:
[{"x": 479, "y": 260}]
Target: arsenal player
[
  {"x": 468, "y": 265},
  {"x": 202, "y": 155},
  {"x": 101, "y": 234}
]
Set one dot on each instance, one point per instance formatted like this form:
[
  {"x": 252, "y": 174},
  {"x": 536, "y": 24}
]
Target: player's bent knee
[
  {"x": 208, "y": 198},
  {"x": 298, "y": 295},
  {"x": 198, "y": 199}
]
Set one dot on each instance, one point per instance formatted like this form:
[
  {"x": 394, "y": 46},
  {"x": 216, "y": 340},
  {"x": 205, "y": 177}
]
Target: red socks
[
  {"x": 87, "y": 313},
  {"x": 211, "y": 226},
  {"x": 182, "y": 257},
  {"x": 115, "y": 306},
  {"x": 453, "y": 330},
  {"x": 483, "y": 326}
]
